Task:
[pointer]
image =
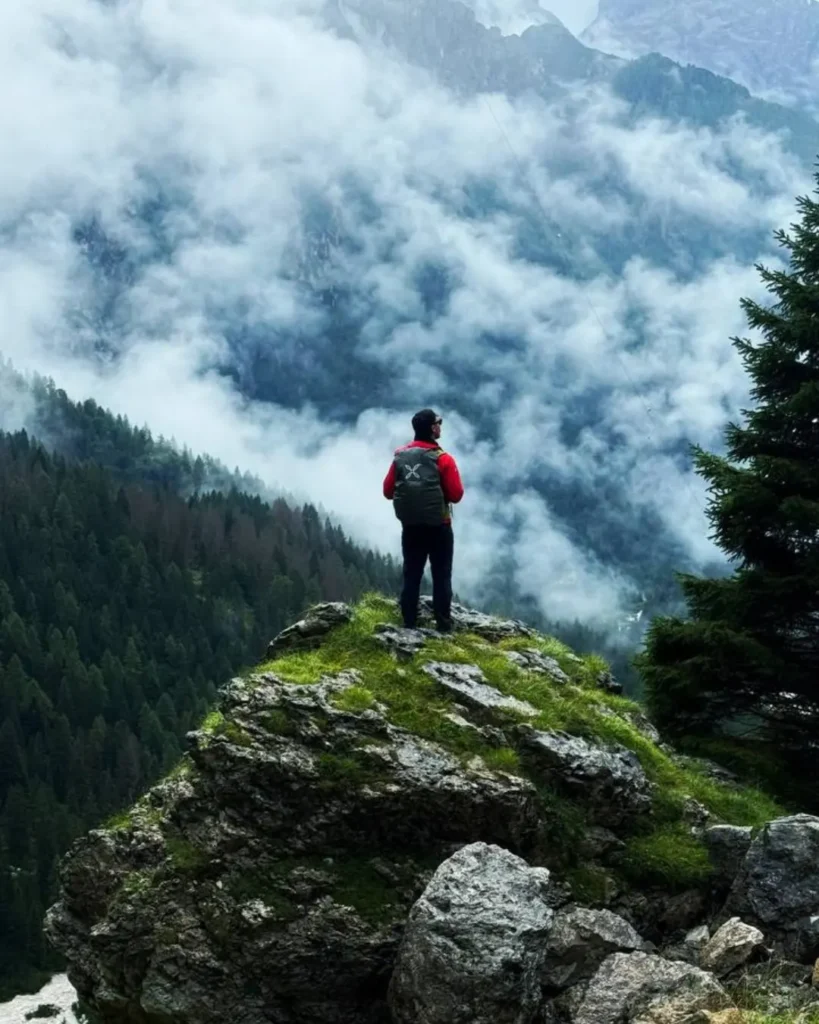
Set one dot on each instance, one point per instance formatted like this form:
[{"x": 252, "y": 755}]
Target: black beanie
[{"x": 422, "y": 424}]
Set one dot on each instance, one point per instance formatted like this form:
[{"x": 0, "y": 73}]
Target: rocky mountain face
[
  {"x": 771, "y": 46},
  {"x": 388, "y": 825}
]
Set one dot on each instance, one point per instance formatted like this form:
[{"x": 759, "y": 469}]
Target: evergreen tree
[{"x": 747, "y": 657}]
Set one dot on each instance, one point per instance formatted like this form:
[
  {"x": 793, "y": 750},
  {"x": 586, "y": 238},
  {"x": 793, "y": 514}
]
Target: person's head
[{"x": 427, "y": 425}]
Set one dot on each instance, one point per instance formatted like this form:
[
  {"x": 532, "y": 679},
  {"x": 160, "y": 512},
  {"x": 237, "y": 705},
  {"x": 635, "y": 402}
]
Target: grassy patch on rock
[{"x": 414, "y": 701}]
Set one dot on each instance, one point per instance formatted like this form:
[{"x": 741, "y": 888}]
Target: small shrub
[{"x": 503, "y": 759}]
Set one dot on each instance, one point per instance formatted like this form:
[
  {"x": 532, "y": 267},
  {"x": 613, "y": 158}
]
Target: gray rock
[
  {"x": 467, "y": 620},
  {"x": 639, "y": 987},
  {"x": 597, "y": 843},
  {"x": 580, "y": 941},
  {"x": 691, "y": 946},
  {"x": 532, "y": 660},
  {"x": 404, "y": 643},
  {"x": 730, "y": 947},
  {"x": 311, "y": 630},
  {"x": 778, "y": 883},
  {"x": 468, "y": 684},
  {"x": 474, "y": 944},
  {"x": 727, "y": 846},
  {"x": 696, "y": 815},
  {"x": 607, "y": 683},
  {"x": 609, "y": 781},
  {"x": 253, "y": 879}
]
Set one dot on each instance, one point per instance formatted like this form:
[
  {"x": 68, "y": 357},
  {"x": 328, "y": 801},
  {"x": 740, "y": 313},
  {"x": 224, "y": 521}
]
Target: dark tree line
[{"x": 122, "y": 608}]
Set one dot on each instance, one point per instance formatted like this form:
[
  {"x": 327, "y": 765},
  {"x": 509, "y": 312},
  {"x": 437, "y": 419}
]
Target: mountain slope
[
  {"x": 547, "y": 242},
  {"x": 770, "y": 46},
  {"x": 121, "y": 610}
]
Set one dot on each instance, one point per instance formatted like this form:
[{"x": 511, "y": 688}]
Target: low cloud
[{"x": 196, "y": 135}]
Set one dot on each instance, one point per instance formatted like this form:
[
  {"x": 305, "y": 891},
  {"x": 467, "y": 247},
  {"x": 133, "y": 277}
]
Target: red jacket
[{"x": 451, "y": 483}]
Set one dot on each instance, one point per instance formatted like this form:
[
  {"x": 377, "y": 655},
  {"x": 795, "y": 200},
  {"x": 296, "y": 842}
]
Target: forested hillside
[{"x": 122, "y": 607}]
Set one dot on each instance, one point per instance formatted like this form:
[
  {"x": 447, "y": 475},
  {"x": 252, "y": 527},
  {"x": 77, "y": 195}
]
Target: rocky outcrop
[
  {"x": 608, "y": 781},
  {"x": 777, "y": 886},
  {"x": 308, "y": 632},
  {"x": 371, "y": 848},
  {"x": 639, "y": 987},
  {"x": 474, "y": 944},
  {"x": 274, "y": 871}
]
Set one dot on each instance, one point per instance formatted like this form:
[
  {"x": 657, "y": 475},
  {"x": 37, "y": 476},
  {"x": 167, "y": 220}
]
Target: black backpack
[{"x": 419, "y": 498}]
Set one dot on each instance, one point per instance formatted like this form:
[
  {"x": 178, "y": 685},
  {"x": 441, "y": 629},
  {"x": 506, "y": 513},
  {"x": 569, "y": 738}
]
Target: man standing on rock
[{"x": 423, "y": 483}]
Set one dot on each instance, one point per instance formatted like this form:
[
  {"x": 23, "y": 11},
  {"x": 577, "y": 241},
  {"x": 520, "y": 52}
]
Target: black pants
[{"x": 437, "y": 544}]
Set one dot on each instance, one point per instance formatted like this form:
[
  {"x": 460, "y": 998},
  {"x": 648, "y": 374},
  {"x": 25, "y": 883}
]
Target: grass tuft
[
  {"x": 669, "y": 856},
  {"x": 355, "y": 699}
]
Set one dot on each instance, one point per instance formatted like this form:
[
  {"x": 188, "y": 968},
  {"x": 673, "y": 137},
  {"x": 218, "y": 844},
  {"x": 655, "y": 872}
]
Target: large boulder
[
  {"x": 640, "y": 987},
  {"x": 275, "y": 869},
  {"x": 727, "y": 846},
  {"x": 474, "y": 945},
  {"x": 608, "y": 781},
  {"x": 777, "y": 886},
  {"x": 730, "y": 947},
  {"x": 310, "y": 631},
  {"x": 581, "y": 940}
]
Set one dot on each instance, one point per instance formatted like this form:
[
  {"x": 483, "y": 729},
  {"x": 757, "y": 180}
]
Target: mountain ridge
[{"x": 771, "y": 46}]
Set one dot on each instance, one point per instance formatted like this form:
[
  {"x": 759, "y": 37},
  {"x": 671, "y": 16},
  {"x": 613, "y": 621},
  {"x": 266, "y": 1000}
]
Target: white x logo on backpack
[{"x": 413, "y": 473}]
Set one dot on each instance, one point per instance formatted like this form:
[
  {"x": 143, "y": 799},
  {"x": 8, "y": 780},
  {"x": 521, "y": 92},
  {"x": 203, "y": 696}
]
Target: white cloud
[{"x": 240, "y": 112}]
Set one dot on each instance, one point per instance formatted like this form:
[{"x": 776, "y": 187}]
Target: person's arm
[
  {"x": 389, "y": 483},
  {"x": 451, "y": 482}
]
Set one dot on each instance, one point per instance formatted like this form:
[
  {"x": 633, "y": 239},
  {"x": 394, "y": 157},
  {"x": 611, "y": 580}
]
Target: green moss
[
  {"x": 355, "y": 699},
  {"x": 142, "y": 813},
  {"x": 137, "y": 882},
  {"x": 267, "y": 887},
  {"x": 413, "y": 701},
  {"x": 233, "y": 733},
  {"x": 360, "y": 886},
  {"x": 185, "y": 856},
  {"x": 121, "y": 820},
  {"x": 279, "y": 722},
  {"x": 590, "y": 885},
  {"x": 212, "y": 720},
  {"x": 669, "y": 856},
  {"x": 351, "y": 880},
  {"x": 345, "y": 771}
]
